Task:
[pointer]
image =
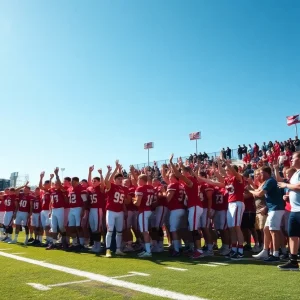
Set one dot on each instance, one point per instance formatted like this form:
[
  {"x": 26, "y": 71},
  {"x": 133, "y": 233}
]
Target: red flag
[
  {"x": 292, "y": 120},
  {"x": 148, "y": 145},
  {"x": 194, "y": 136}
]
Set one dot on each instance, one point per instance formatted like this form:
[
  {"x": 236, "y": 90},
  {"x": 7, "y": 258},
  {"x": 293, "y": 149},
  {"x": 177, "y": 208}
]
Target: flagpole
[
  {"x": 148, "y": 157},
  {"x": 196, "y": 147},
  {"x": 296, "y": 130}
]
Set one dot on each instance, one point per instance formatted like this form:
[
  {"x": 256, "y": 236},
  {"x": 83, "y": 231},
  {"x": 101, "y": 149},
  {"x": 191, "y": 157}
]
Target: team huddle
[{"x": 71, "y": 212}]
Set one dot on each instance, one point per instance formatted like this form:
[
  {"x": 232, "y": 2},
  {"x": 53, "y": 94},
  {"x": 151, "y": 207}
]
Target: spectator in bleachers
[
  {"x": 297, "y": 144},
  {"x": 264, "y": 147},
  {"x": 228, "y": 153},
  {"x": 244, "y": 149},
  {"x": 223, "y": 153},
  {"x": 270, "y": 145},
  {"x": 255, "y": 149},
  {"x": 250, "y": 149},
  {"x": 255, "y": 158},
  {"x": 240, "y": 152}
]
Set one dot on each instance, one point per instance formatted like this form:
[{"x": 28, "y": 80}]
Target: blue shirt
[{"x": 273, "y": 195}]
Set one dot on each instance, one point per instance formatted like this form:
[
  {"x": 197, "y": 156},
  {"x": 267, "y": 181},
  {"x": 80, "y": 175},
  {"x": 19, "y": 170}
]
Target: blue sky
[{"x": 86, "y": 82}]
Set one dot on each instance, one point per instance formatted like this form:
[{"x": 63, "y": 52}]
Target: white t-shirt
[
  {"x": 282, "y": 159},
  {"x": 295, "y": 196}
]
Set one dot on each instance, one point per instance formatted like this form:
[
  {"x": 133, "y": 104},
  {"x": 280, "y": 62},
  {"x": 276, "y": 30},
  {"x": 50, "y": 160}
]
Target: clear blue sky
[{"x": 86, "y": 82}]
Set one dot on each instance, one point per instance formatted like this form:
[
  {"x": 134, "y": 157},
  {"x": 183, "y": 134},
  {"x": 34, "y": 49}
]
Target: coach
[{"x": 294, "y": 219}]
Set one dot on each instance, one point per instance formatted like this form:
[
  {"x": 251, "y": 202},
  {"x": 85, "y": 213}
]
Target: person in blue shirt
[{"x": 275, "y": 205}]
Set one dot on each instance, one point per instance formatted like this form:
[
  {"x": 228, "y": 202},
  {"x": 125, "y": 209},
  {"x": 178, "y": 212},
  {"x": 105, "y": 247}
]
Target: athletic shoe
[
  {"x": 256, "y": 249},
  {"x": 289, "y": 266},
  {"x": 35, "y": 243},
  {"x": 230, "y": 254},
  {"x": 204, "y": 248},
  {"x": 237, "y": 256},
  {"x": 8, "y": 240},
  {"x": 284, "y": 256},
  {"x": 145, "y": 255},
  {"x": 272, "y": 259},
  {"x": 4, "y": 239},
  {"x": 174, "y": 254},
  {"x": 31, "y": 240},
  {"x": 51, "y": 247},
  {"x": 108, "y": 253},
  {"x": 215, "y": 247},
  {"x": 208, "y": 253},
  {"x": 197, "y": 255},
  {"x": 261, "y": 255},
  {"x": 225, "y": 252},
  {"x": 119, "y": 252},
  {"x": 12, "y": 242}
]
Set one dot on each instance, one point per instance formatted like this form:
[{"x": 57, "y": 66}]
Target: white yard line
[
  {"x": 104, "y": 279},
  {"x": 19, "y": 253},
  {"x": 176, "y": 269},
  {"x": 5, "y": 249},
  {"x": 207, "y": 265},
  {"x": 131, "y": 275},
  {"x": 39, "y": 287},
  {"x": 219, "y": 264}
]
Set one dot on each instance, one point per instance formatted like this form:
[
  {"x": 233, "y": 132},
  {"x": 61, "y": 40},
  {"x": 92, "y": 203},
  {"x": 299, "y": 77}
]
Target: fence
[{"x": 234, "y": 155}]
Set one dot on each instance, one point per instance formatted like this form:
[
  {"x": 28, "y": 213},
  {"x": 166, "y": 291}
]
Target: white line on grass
[
  {"x": 176, "y": 269},
  {"x": 18, "y": 253},
  {"x": 207, "y": 265},
  {"x": 5, "y": 249},
  {"x": 101, "y": 278},
  {"x": 217, "y": 263},
  {"x": 40, "y": 287},
  {"x": 131, "y": 275}
]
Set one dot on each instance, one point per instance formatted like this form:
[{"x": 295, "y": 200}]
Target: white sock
[
  {"x": 40, "y": 238},
  {"x": 276, "y": 253},
  {"x": 209, "y": 247},
  {"x": 54, "y": 241},
  {"x": 26, "y": 237},
  {"x": 234, "y": 249},
  {"x": 31, "y": 235},
  {"x": 265, "y": 251},
  {"x": 16, "y": 237},
  {"x": 108, "y": 239},
  {"x": 81, "y": 241},
  {"x": 119, "y": 239},
  {"x": 9, "y": 236},
  {"x": 148, "y": 248},
  {"x": 176, "y": 244}
]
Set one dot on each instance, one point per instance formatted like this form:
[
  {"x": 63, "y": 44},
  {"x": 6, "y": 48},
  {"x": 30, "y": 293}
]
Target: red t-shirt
[
  {"x": 147, "y": 193},
  {"x": 192, "y": 193},
  {"x": 235, "y": 189},
  {"x": 115, "y": 198},
  {"x": 66, "y": 194},
  {"x": 96, "y": 197},
  {"x": 131, "y": 206},
  {"x": 36, "y": 204},
  {"x": 45, "y": 200},
  {"x": 202, "y": 194},
  {"x": 24, "y": 202},
  {"x": 220, "y": 199},
  {"x": 10, "y": 202},
  {"x": 177, "y": 201},
  {"x": 161, "y": 199},
  {"x": 57, "y": 198},
  {"x": 75, "y": 196}
]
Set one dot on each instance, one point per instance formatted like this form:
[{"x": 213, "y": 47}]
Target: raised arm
[
  {"x": 176, "y": 172},
  {"x": 56, "y": 170},
  {"x": 237, "y": 175},
  {"x": 22, "y": 187},
  {"x": 91, "y": 169},
  {"x": 41, "y": 180},
  {"x": 276, "y": 173},
  {"x": 211, "y": 182},
  {"x": 164, "y": 174},
  {"x": 102, "y": 181},
  {"x": 111, "y": 177},
  {"x": 134, "y": 177},
  {"x": 220, "y": 168}
]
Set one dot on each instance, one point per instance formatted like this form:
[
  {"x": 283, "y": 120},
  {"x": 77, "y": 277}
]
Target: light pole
[{"x": 62, "y": 172}]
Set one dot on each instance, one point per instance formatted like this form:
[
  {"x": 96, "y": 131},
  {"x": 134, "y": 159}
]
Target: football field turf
[{"x": 34, "y": 273}]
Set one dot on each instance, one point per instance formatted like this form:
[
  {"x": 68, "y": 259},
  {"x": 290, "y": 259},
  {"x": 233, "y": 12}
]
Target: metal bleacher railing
[{"x": 234, "y": 155}]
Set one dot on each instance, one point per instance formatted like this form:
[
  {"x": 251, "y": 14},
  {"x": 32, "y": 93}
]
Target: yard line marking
[
  {"x": 39, "y": 286},
  {"x": 207, "y": 265},
  {"x": 131, "y": 275},
  {"x": 18, "y": 253},
  {"x": 217, "y": 263},
  {"x": 67, "y": 283},
  {"x": 176, "y": 269},
  {"x": 5, "y": 249},
  {"x": 104, "y": 279},
  {"x": 140, "y": 274}
]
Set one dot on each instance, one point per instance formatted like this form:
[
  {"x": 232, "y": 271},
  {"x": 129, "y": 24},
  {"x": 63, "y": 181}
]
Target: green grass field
[{"x": 202, "y": 278}]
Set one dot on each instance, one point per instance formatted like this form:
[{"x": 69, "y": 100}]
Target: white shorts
[
  {"x": 176, "y": 219},
  {"x": 95, "y": 219},
  {"x": 36, "y": 220},
  {"x": 66, "y": 217},
  {"x": 45, "y": 218},
  {"x": 8, "y": 218},
  {"x": 194, "y": 217},
  {"x": 144, "y": 220},
  {"x": 22, "y": 216},
  {"x": 205, "y": 221},
  {"x": 285, "y": 220},
  {"x": 57, "y": 220},
  {"x": 132, "y": 219},
  {"x": 220, "y": 220},
  {"x": 2, "y": 217},
  {"x": 274, "y": 219},
  {"x": 161, "y": 213},
  {"x": 74, "y": 218},
  {"x": 114, "y": 219},
  {"x": 235, "y": 213}
]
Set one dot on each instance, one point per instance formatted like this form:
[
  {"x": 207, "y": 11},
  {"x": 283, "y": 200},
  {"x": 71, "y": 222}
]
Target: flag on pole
[
  {"x": 195, "y": 136},
  {"x": 291, "y": 120},
  {"x": 149, "y": 145}
]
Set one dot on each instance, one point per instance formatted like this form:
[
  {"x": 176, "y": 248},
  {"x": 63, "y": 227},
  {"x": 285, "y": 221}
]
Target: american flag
[
  {"x": 291, "y": 120},
  {"x": 148, "y": 145},
  {"x": 195, "y": 136}
]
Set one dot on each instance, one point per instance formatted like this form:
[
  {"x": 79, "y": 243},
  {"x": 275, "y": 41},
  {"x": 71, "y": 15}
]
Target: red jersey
[
  {"x": 192, "y": 193},
  {"x": 177, "y": 201},
  {"x": 115, "y": 198},
  {"x": 131, "y": 206},
  {"x": 24, "y": 202},
  {"x": 36, "y": 204},
  {"x": 57, "y": 198},
  {"x": 10, "y": 202},
  {"x": 45, "y": 200},
  {"x": 235, "y": 189},
  {"x": 220, "y": 199},
  {"x": 147, "y": 193},
  {"x": 77, "y": 196},
  {"x": 203, "y": 189},
  {"x": 66, "y": 194},
  {"x": 96, "y": 197},
  {"x": 161, "y": 199}
]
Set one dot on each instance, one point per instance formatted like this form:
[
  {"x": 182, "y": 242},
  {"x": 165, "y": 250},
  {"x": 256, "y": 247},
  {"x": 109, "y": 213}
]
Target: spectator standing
[
  {"x": 297, "y": 144},
  {"x": 294, "y": 219},
  {"x": 255, "y": 158},
  {"x": 250, "y": 150},
  {"x": 270, "y": 145},
  {"x": 281, "y": 146},
  {"x": 244, "y": 149},
  {"x": 264, "y": 147},
  {"x": 276, "y": 212},
  {"x": 255, "y": 149},
  {"x": 228, "y": 153},
  {"x": 240, "y": 152},
  {"x": 223, "y": 153}
]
